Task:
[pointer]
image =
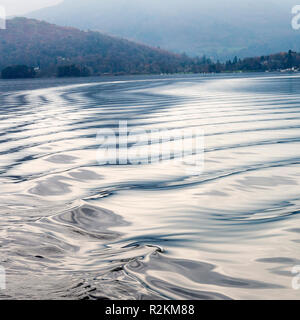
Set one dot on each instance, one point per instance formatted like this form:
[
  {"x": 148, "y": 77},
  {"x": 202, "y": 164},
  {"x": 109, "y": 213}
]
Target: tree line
[
  {"x": 31, "y": 48},
  {"x": 289, "y": 61}
]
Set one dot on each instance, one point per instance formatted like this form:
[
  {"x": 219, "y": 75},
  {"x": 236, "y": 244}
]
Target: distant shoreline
[{"x": 154, "y": 75}]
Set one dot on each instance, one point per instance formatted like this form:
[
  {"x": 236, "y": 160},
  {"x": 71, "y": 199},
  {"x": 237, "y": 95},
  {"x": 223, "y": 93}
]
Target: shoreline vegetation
[
  {"x": 74, "y": 71},
  {"x": 37, "y": 49},
  {"x": 35, "y": 75}
]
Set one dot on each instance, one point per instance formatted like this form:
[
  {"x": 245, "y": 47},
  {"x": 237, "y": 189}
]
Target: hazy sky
[
  {"x": 20, "y": 7},
  {"x": 17, "y": 7}
]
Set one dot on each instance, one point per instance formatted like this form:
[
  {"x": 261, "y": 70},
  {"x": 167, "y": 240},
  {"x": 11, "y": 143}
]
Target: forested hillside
[
  {"x": 47, "y": 46},
  {"x": 32, "y": 48}
]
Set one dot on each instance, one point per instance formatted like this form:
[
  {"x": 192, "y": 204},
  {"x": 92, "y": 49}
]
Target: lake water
[{"x": 75, "y": 228}]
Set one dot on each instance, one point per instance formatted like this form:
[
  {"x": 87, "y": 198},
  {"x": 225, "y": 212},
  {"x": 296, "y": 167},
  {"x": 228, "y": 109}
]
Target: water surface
[{"x": 73, "y": 229}]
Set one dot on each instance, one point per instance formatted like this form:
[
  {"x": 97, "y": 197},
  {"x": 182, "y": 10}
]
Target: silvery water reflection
[{"x": 73, "y": 229}]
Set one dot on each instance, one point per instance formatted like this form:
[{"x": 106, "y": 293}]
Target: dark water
[{"x": 74, "y": 229}]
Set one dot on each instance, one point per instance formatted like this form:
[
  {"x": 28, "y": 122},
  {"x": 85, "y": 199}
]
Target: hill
[
  {"x": 32, "y": 48},
  {"x": 46, "y": 47},
  {"x": 219, "y": 29}
]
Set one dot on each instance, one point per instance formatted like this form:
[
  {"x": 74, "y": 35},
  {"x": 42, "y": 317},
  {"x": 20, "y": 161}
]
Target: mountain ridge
[
  {"x": 30, "y": 47},
  {"x": 244, "y": 28},
  {"x": 47, "y": 46}
]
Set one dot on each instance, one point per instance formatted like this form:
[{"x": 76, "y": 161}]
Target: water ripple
[{"x": 74, "y": 229}]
